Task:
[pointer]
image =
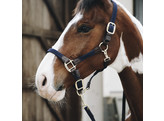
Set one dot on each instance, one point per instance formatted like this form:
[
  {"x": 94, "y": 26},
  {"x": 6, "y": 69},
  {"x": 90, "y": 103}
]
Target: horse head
[{"x": 84, "y": 32}]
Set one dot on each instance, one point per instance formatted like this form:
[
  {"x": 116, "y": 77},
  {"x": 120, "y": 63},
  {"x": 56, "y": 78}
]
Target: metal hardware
[
  {"x": 114, "y": 27},
  {"x": 100, "y": 46},
  {"x": 107, "y": 58},
  {"x": 73, "y": 66},
  {"x": 80, "y": 94},
  {"x": 76, "y": 84},
  {"x": 79, "y": 88}
]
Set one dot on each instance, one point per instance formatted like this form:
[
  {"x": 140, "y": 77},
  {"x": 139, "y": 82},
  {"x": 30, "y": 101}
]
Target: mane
[
  {"x": 134, "y": 20},
  {"x": 86, "y": 5}
]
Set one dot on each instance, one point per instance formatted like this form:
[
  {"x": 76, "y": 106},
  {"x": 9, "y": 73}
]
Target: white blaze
[
  {"x": 45, "y": 68},
  {"x": 59, "y": 43}
]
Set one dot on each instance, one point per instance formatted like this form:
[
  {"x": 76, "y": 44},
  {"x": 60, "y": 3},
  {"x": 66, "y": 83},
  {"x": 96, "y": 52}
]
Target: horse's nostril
[
  {"x": 44, "y": 81},
  {"x": 60, "y": 88}
]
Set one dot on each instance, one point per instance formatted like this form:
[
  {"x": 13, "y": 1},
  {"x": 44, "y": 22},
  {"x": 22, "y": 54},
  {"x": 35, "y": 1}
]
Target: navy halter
[{"x": 70, "y": 65}]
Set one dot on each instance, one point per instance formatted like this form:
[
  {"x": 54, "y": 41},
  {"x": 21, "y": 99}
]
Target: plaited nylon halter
[{"x": 70, "y": 65}]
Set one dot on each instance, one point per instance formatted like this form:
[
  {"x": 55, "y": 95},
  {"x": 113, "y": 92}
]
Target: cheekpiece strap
[{"x": 111, "y": 26}]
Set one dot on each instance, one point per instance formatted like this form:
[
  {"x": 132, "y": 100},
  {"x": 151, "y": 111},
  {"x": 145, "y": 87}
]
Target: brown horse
[{"x": 85, "y": 32}]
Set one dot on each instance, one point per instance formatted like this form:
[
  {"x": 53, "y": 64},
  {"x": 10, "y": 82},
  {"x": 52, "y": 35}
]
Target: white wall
[
  {"x": 111, "y": 83},
  {"x": 128, "y": 4},
  {"x": 94, "y": 98}
]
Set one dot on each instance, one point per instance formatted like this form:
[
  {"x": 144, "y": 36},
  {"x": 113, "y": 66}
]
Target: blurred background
[{"x": 42, "y": 23}]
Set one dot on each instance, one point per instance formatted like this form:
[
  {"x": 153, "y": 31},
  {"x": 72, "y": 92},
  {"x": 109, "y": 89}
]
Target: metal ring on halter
[
  {"x": 107, "y": 58},
  {"x": 80, "y": 94},
  {"x": 100, "y": 46},
  {"x": 73, "y": 66}
]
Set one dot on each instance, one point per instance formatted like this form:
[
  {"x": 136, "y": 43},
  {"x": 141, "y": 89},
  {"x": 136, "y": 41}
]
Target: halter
[{"x": 70, "y": 65}]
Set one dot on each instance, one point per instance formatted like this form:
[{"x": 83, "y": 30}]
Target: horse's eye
[{"x": 84, "y": 29}]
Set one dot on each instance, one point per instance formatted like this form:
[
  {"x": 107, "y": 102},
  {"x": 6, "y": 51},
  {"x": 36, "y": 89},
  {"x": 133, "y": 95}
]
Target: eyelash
[{"x": 84, "y": 29}]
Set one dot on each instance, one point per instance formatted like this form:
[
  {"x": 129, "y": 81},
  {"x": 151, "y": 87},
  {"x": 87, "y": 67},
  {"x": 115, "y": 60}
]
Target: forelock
[{"x": 86, "y": 5}]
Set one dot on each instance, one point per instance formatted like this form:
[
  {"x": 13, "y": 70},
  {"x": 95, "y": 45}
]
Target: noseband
[{"x": 70, "y": 65}]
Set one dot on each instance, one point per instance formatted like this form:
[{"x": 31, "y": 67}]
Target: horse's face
[{"x": 83, "y": 33}]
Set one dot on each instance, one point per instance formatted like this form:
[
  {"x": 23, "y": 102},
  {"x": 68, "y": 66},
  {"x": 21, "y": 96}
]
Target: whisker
[
  {"x": 31, "y": 84},
  {"x": 60, "y": 104}
]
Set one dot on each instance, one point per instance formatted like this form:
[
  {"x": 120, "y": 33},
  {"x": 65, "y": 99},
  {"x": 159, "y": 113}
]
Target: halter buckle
[
  {"x": 79, "y": 87},
  {"x": 70, "y": 66},
  {"x": 109, "y": 29},
  {"x": 79, "y": 84}
]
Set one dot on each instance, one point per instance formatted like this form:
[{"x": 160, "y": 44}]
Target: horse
[{"x": 85, "y": 32}]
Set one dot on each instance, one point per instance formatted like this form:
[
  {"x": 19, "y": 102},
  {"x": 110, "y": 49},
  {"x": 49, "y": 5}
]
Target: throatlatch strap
[{"x": 96, "y": 72}]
